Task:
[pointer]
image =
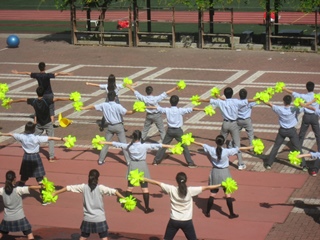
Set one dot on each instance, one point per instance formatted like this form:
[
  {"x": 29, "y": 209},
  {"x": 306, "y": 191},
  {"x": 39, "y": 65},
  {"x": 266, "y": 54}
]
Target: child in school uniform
[
  {"x": 14, "y": 218},
  {"x": 31, "y": 165},
  {"x": 94, "y": 220},
  {"x": 138, "y": 154}
]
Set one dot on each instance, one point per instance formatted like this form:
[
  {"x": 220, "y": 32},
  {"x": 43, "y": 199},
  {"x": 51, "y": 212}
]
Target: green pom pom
[
  {"x": 270, "y": 91},
  {"x": 317, "y": 97},
  {"x": 181, "y": 84},
  {"x": 139, "y": 106},
  {"x": 279, "y": 86},
  {"x": 292, "y": 156},
  {"x": 135, "y": 177},
  {"x": 70, "y": 141},
  {"x": 257, "y": 97},
  {"x": 5, "y": 103},
  {"x": 77, "y": 106},
  {"x": 195, "y": 100},
  {"x": 75, "y": 96},
  {"x": 215, "y": 92},
  {"x": 264, "y": 96},
  {"x": 127, "y": 81},
  {"x": 209, "y": 110},
  {"x": 4, "y": 88},
  {"x": 96, "y": 142},
  {"x": 187, "y": 139},
  {"x": 2, "y": 95},
  {"x": 297, "y": 102},
  {"x": 129, "y": 203},
  {"x": 48, "y": 189},
  {"x": 258, "y": 146},
  {"x": 177, "y": 149},
  {"x": 230, "y": 185}
]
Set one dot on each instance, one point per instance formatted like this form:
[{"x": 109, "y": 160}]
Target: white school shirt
[
  {"x": 308, "y": 97},
  {"x": 181, "y": 208},
  {"x": 288, "y": 116},
  {"x": 315, "y": 155},
  {"x": 138, "y": 151},
  {"x": 116, "y": 90},
  {"x": 112, "y": 111},
  {"x": 151, "y": 100},
  {"x": 174, "y": 115},
  {"x": 229, "y": 107},
  {"x": 30, "y": 142},
  {"x": 245, "y": 111},
  {"x": 226, "y": 153}
]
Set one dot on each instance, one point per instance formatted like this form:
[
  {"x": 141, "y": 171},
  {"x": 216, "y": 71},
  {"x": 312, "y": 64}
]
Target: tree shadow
[
  {"x": 201, "y": 203},
  {"x": 311, "y": 210},
  {"x": 56, "y": 37}
]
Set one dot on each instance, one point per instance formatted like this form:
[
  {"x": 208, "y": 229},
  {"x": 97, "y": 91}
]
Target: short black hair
[
  {"x": 310, "y": 86},
  {"x": 111, "y": 96},
  {"x": 174, "y": 100},
  {"x": 149, "y": 90},
  {"x": 228, "y": 92},
  {"x": 40, "y": 91},
  {"x": 29, "y": 128},
  {"x": 243, "y": 93},
  {"x": 287, "y": 99},
  {"x": 42, "y": 66}
]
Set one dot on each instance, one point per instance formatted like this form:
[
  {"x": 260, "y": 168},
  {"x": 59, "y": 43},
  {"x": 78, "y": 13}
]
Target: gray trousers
[
  {"x": 48, "y": 128},
  {"x": 157, "y": 120},
  {"x": 291, "y": 133},
  {"x": 117, "y": 129},
  {"x": 173, "y": 133},
  {"x": 307, "y": 120},
  {"x": 233, "y": 129},
  {"x": 247, "y": 125}
]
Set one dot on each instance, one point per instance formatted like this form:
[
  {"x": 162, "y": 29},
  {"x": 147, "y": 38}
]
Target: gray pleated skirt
[{"x": 218, "y": 175}]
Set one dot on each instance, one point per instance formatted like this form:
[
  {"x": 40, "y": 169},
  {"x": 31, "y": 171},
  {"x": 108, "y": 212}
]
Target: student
[
  {"x": 313, "y": 155},
  {"x": 44, "y": 80},
  {"x": 14, "y": 219},
  {"x": 153, "y": 115},
  {"x": 244, "y": 115},
  {"x": 219, "y": 158},
  {"x": 181, "y": 205},
  {"x": 138, "y": 154},
  {"x": 287, "y": 115},
  {"x": 174, "y": 131},
  {"x": 109, "y": 87},
  {"x": 42, "y": 117},
  {"x": 113, "y": 113},
  {"x": 309, "y": 117},
  {"x": 229, "y": 108},
  {"x": 94, "y": 220},
  {"x": 31, "y": 165}
]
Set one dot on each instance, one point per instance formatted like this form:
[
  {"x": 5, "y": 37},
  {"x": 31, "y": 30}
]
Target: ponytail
[
  {"x": 10, "y": 177},
  {"x": 93, "y": 179},
  {"x": 181, "y": 179},
  {"x": 136, "y": 135},
  {"x": 219, "y": 141},
  {"x": 111, "y": 83}
]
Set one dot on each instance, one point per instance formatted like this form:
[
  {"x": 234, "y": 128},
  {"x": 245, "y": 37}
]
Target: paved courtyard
[{"x": 283, "y": 203}]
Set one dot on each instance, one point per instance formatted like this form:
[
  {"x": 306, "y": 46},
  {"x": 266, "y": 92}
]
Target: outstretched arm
[
  {"x": 119, "y": 194},
  {"x": 198, "y": 143},
  {"x": 172, "y": 90},
  {"x": 154, "y": 182},
  {"x": 63, "y": 74},
  {"x": 56, "y": 138},
  {"x": 62, "y": 190},
  {"x": 61, "y": 99},
  {"x": 107, "y": 143},
  {"x": 268, "y": 104},
  {"x": 91, "y": 107},
  {"x": 304, "y": 155},
  {"x": 130, "y": 87},
  {"x": 245, "y": 148},
  {"x": 18, "y": 100},
  {"x": 287, "y": 90},
  {"x": 210, "y": 187},
  {"x": 22, "y": 73},
  {"x": 6, "y": 134},
  {"x": 198, "y": 109},
  {"x": 204, "y": 100},
  {"x": 130, "y": 112},
  {"x": 92, "y": 84}
]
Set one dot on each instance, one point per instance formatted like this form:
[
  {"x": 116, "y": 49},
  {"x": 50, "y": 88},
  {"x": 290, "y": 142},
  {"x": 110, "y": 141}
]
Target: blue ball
[{"x": 13, "y": 41}]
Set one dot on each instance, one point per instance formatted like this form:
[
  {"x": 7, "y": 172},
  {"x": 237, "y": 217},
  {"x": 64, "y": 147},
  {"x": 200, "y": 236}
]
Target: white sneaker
[{"x": 242, "y": 167}]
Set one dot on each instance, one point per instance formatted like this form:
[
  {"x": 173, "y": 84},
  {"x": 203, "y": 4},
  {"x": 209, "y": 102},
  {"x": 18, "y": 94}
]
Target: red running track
[{"x": 161, "y": 16}]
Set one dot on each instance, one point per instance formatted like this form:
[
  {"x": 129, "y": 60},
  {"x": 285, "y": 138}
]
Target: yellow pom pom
[
  {"x": 177, "y": 149},
  {"x": 279, "y": 86},
  {"x": 258, "y": 146},
  {"x": 96, "y": 142},
  {"x": 70, "y": 141},
  {"x": 77, "y": 106},
  {"x": 181, "y": 84},
  {"x": 195, "y": 100},
  {"x": 5, "y": 103},
  {"x": 127, "y": 81},
  {"x": 75, "y": 96},
  {"x": 209, "y": 110},
  {"x": 215, "y": 92},
  {"x": 292, "y": 156},
  {"x": 139, "y": 106},
  {"x": 187, "y": 139}
]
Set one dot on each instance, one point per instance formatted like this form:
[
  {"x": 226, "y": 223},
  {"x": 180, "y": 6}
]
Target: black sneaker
[
  {"x": 55, "y": 126},
  {"x": 232, "y": 216},
  {"x": 154, "y": 163},
  {"x": 101, "y": 128},
  {"x": 148, "y": 210}
]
